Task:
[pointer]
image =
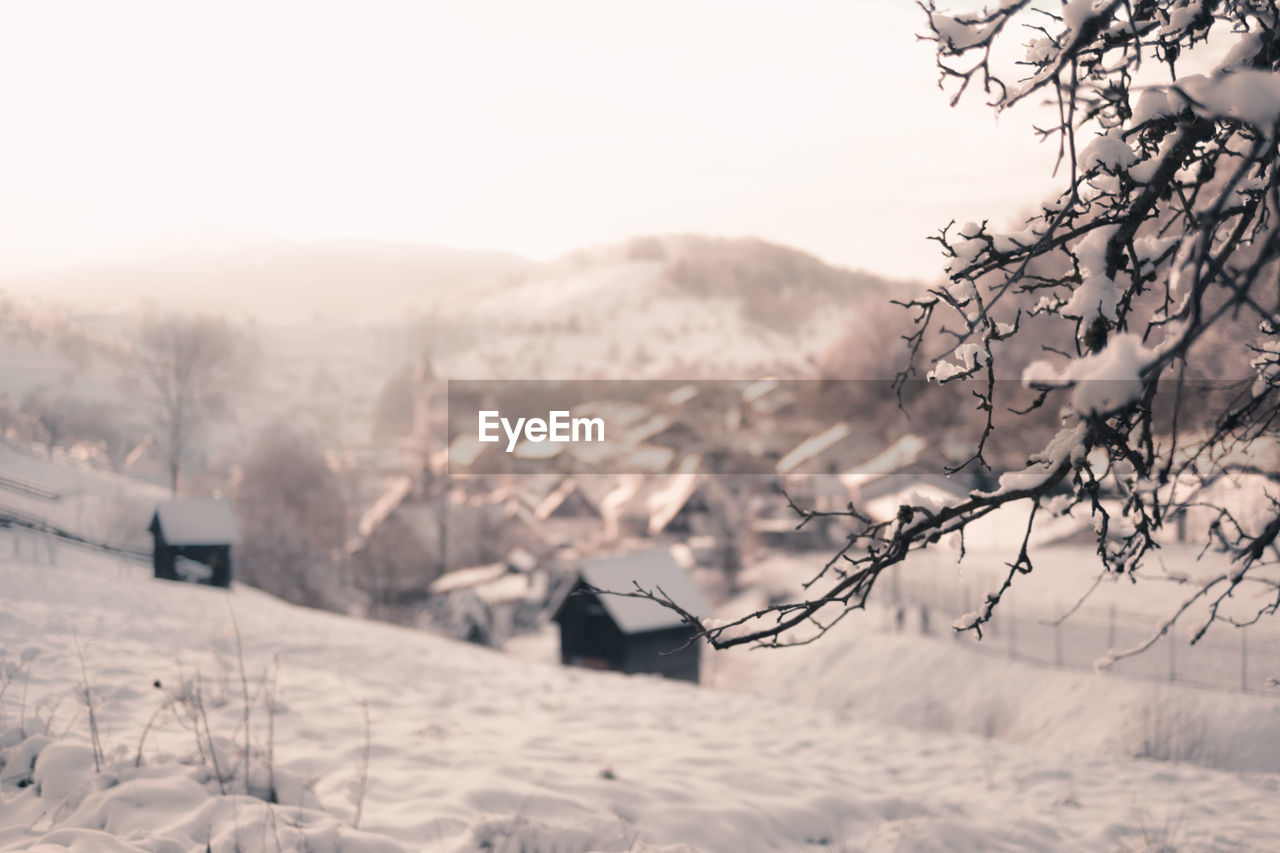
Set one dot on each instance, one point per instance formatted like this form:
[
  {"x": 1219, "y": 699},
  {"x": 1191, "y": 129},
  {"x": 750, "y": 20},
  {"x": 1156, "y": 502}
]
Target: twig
[{"x": 98, "y": 756}]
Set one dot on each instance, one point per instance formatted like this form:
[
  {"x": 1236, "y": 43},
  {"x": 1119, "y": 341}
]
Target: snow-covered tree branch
[{"x": 1149, "y": 277}]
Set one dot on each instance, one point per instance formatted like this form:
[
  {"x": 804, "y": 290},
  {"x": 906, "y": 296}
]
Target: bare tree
[
  {"x": 59, "y": 418},
  {"x": 51, "y": 413},
  {"x": 393, "y": 410},
  {"x": 6, "y": 414},
  {"x": 185, "y": 362},
  {"x": 293, "y": 520},
  {"x": 1154, "y": 268}
]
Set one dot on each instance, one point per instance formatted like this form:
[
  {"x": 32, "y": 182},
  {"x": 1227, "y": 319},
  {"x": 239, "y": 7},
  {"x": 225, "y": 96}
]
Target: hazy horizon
[{"x": 500, "y": 127}]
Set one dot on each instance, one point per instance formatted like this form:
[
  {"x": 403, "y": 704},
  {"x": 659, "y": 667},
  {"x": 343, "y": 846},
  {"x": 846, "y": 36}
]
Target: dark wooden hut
[
  {"x": 193, "y": 539},
  {"x": 631, "y": 635}
]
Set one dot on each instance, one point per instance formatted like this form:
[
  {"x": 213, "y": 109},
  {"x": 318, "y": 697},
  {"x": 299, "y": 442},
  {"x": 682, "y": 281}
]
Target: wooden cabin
[
  {"x": 631, "y": 635},
  {"x": 193, "y": 540}
]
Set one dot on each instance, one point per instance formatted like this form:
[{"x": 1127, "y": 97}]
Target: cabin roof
[
  {"x": 668, "y": 499},
  {"x": 897, "y": 457},
  {"x": 392, "y": 496},
  {"x": 813, "y": 446},
  {"x": 465, "y": 450},
  {"x": 665, "y": 500},
  {"x": 197, "y": 521},
  {"x": 546, "y": 507},
  {"x": 494, "y": 583},
  {"x": 651, "y": 569},
  {"x": 469, "y": 577}
]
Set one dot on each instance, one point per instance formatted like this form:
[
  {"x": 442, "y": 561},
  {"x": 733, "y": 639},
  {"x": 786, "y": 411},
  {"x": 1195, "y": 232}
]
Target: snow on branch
[{"x": 1153, "y": 269}]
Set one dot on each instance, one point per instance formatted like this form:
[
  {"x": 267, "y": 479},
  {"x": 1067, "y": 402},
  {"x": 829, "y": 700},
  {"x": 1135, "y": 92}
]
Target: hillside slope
[
  {"x": 680, "y": 306},
  {"x": 467, "y": 749},
  {"x": 676, "y": 307}
]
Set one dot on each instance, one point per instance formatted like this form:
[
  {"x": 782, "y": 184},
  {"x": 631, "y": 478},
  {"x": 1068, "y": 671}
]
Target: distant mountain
[
  {"x": 682, "y": 306},
  {"x": 275, "y": 279},
  {"x": 667, "y": 306}
]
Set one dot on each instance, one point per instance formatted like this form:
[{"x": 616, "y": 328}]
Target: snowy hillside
[
  {"x": 1009, "y": 686},
  {"x": 465, "y": 749},
  {"x": 679, "y": 307},
  {"x": 92, "y": 504}
]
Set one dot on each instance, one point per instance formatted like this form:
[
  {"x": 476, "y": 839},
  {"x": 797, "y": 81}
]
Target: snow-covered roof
[
  {"x": 766, "y": 396},
  {"x": 553, "y": 501},
  {"x": 813, "y": 446},
  {"x": 512, "y": 587},
  {"x": 649, "y": 459},
  {"x": 613, "y": 506},
  {"x": 932, "y": 493},
  {"x": 651, "y": 569},
  {"x": 512, "y": 579},
  {"x": 622, "y": 413},
  {"x": 527, "y": 449},
  {"x": 681, "y": 395},
  {"x": 465, "y": 450},
  {"x": 648, "y": 428},
  {"x": 758, "y": 389},
  {"x": 395, "y": 493},
  {"x": 666, "y": 502},
  {"x": 197, "y": 521},
  {"x": 469, "y": 577},
  {"x": 903, "y": 452}
]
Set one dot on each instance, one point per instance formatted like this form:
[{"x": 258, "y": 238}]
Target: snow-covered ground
[
  {"x": 75, "y": 497},
  {"x": 628, "y": 321},
  {"x": 470, "y": 749}
]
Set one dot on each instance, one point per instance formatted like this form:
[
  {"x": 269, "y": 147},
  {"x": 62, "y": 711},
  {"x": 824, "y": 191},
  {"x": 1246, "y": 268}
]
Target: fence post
[{"x": 1244, "y": 660}]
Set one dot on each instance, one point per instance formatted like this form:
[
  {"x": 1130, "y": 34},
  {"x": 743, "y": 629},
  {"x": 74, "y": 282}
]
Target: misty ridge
[
  {"x": 659, "y": 306},
  {"x": 334, "y": 339}
]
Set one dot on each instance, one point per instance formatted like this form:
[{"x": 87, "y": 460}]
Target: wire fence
[
  {"x": 49, "y": 535},
  {"x": 1245, "y": 659}
]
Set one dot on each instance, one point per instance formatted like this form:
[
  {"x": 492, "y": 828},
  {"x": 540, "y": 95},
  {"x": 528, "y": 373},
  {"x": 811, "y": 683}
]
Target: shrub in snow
[
  {"x": 169, "y": 806},
  {"x": 1153, "y": 267},
  {"x": 293, "y": 520},
  {"x": 222, "y": 792},
  {"x": 187, "y": 364},
  {"x": 1164, "y": 732}
]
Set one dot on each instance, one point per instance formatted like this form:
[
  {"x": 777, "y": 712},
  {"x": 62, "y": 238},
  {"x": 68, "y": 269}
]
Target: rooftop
[
  {"x": 654, "y": 570},
  {"x": 197, "y": 521}
]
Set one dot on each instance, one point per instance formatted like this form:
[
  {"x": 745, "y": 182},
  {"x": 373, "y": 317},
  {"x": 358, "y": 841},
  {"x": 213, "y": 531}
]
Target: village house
[
  {"x": 489, "y": 603},
  {"x": 193, "y": 540},
  {"x": 631, "y": 635}
]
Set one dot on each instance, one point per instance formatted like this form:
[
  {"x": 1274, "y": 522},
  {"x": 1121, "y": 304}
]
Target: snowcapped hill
[
  {"x": 680, "y": 306},
  {"x": 675, "y": 306},
  {"x": 432, "y": 745}
]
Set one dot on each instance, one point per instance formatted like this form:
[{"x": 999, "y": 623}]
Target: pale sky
[{"x": 534, "y": 127}]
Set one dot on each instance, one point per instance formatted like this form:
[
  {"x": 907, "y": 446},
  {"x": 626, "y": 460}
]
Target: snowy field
[
  {"x": 468, "y": 749},
  {"x": 95, "y": 504}
]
